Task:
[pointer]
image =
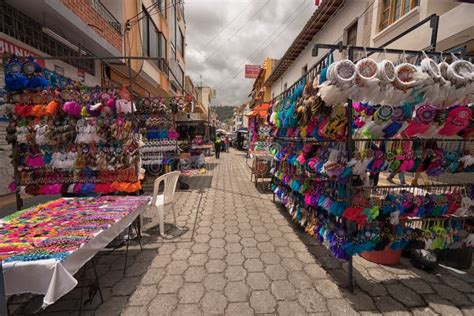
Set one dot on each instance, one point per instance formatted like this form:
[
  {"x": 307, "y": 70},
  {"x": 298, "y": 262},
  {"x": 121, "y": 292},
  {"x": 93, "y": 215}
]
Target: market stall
[
  {"x": 347, "y": 120},
  {"x": 43, "y": 247},
  {"x": 71, "y": 140}
]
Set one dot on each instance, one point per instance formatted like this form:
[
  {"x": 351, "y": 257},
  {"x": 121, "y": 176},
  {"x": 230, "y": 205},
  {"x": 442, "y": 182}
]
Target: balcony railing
[{"x": 106, "y": 15}]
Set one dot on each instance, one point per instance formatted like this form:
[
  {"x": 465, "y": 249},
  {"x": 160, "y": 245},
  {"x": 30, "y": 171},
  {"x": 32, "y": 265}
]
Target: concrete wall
[
  {"x": 455, "y": 25},
  {"x": 331, "y": 33}
]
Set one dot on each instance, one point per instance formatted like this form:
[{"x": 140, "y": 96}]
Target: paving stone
[
  {"x": 283, "y": 290},
  {"x": 170, "y": 284},
  {"x": 246, "y": 233},
  {"x": 312, "y": 301},
  {"x": 217, "y": 243},
  {"x": 200, "y": 238},
  {"x": 340, "y": 306},
  {"x": 266, "y": 247},
  {"x": 163, "y": 304},
  {"x": 315, "y": 271},
  {"x": 248, "y": 242},
  {"x": 450, "y": 294},
  {"x": 258, "y": 281},
  {"x": 215, "y": 266},
  {"x": 143, "y": 295},
  {"x": 198, "y": 259},
  {"x": 285, "y": 252},
  {"x": 237, "y": 291},
  {"x": 251, "y": 253},
  {"x": 423, "y": 311},
  {"x": 327, "y": 288},
  {"x": 217, "y": 234},
  {"x": 387, "y": 304},
  {"x": 214, "y": 282},
  {"x": 194, "y": 274},
  {"x": 112, "y": 306},
  {"x": 166, "y": 249},
  {"x": 235, "y": 273},
  {"x": 441, "y": 306},
  {"x": 418, "y": 285},
  {"x": 276, "y": 272},
  {"x": 232, "y": 238},
  {"x": 190, "y": 293},
  {"x": 380, "y": 274},
  {"x": 216, "y": 253},
  {"x": 181, "y": 254},
  {"x": 270, "y": 258},
  {"x": 239, "y": 309},
  {"x": 262, "y": 302},
  {"x": 177, "y": 267},
  {"x": 126, "y": 286},
  {"x": 300, "y": 280},
  {"x": 292, "y": 264},
  {"x": 152, "y": 276},
  {"x": 372, "y": 288},
  {"x": 134, "y": 311},
  {"x": 200, "y": 248},
  {"x": 456, "y": 283},
  {"x": 187, "y": 309},
  {"x": 290, "y": 308},
  {"x": 360, "y": 301},
  {"x": 213, "y": 303},
  {"x": 233, "y": 247},
  {"x": 253, "y": 265},
  {"x": 234, "y": 259},
  {"x": 279, "y": 242},
  {"x": 137, "y": 269}
]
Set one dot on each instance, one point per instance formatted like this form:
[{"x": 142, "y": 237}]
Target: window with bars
[
  {"x": 21, "y": 27},
  {"x": 392, "y": 10}
]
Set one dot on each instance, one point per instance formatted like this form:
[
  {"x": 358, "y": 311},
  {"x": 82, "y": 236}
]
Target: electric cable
[
  {"x": 271, "y": 38},
  {"x": 237, "y": 31}
]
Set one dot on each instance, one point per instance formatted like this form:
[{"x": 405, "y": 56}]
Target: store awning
[{"x": 260, "y": 110}]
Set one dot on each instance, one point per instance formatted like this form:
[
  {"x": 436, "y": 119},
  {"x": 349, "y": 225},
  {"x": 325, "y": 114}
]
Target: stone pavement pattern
[{"x": 235, "y": 253}]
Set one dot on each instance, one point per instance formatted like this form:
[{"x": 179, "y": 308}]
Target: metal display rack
[{"x": 350, "y": 141}]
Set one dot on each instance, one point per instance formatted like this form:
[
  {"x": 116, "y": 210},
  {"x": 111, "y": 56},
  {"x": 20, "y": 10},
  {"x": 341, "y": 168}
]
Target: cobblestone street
[{"x": 235, "y": 253}]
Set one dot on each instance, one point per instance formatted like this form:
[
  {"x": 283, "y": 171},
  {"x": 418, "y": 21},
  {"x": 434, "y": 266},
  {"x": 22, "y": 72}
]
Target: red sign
[
  {"x": 252, "y": 71},
  {"x": 7, "y": 47}
]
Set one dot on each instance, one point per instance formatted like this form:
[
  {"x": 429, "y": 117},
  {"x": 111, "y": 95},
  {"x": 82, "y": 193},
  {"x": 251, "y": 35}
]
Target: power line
[
  {"x": 228, "y": 24},
  {"x": 271, "y": 38},
  {"x": 237, "y": 31}
]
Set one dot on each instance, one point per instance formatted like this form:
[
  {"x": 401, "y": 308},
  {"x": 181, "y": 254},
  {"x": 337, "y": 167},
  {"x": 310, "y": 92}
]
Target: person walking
[
  {"x": 218, "y": 147},
  {"x": 226, "y": 144}
]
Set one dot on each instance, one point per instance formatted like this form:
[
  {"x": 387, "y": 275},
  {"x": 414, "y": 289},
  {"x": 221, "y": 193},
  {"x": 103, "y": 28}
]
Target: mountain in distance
[{"x": 224, "y": 112}]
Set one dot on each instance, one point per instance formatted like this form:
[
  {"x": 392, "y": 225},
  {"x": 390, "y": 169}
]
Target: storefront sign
[
  {"x": 7, "y": 47},
  {"x": 251, "y": 71}
]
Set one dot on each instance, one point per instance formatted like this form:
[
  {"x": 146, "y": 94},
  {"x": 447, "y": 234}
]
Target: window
[
  {"x": 392, "y": 10},
  {"x": 163, "y": 48},
  {"x": 154, "y": 42},
  {"x": 180, "y": 42},
  {"x": 172, "y": 25},
  {"x": 351, "y": 35},
  {"x": 304, "y": 70}
]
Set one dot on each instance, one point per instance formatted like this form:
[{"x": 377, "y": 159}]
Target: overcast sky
[{"x": 224, "y": 35}]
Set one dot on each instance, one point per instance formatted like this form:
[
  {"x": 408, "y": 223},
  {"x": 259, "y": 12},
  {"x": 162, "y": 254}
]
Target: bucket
[{"x": 387, "y": 256}]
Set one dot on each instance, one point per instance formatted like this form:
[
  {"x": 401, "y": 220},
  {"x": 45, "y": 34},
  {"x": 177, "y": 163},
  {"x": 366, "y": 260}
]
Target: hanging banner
[
  {"x": 252, "y": 71},
  {"x": 7, "y": 47}
]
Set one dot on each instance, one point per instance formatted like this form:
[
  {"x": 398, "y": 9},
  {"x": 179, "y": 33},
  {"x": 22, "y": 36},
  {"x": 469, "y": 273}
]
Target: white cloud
[{"x": 222, "y": 35}]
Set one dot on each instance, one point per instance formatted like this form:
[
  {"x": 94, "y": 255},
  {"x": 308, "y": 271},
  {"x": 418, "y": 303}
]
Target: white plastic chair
[{"x": 160, "y": 201}]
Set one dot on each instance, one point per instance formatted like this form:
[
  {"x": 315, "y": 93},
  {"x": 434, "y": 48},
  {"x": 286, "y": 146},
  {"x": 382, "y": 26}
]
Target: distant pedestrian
[
  {"x": 218, "y": 147},
  {"x": 226, "y": 144}
]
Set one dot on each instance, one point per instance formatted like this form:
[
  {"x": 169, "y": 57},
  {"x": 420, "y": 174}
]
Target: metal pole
[
  {"x": 350, "y": 149},
  {"x": 3, "y": 298}
]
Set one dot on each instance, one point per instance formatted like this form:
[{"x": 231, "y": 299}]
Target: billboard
[{"x": 251, "y": 71}]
